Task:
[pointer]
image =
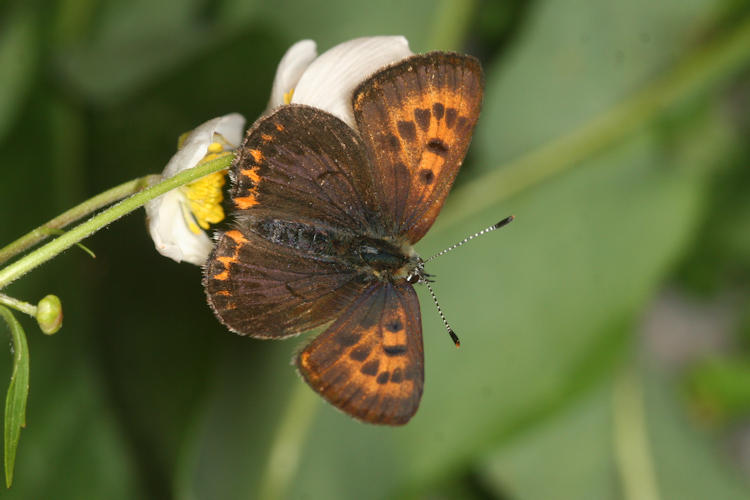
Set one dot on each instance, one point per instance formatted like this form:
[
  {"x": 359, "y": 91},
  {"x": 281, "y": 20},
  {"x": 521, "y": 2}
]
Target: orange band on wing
[
  {"x": 257, "y": 155},
  {"x": 245, "y": 202},
  {"x": 252, "y": 174},
  {"x": 236, "y": 236},
  {"x": 224, "y": 275}
]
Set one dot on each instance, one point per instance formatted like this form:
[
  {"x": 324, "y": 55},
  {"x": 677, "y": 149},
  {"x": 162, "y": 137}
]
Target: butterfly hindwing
[
  {"x": 416, "y": 119},
  {"x": 265, "y": 290},
  {"x": 369, "y": 363}
]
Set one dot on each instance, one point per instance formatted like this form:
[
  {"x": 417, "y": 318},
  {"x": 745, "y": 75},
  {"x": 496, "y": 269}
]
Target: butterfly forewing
[
  {"x": 416, "y": 119},
  {"x": 303, "y": 164},
  {"x": 369, "y": 362}
]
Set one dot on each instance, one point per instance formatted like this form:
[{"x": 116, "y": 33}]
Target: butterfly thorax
[{"x": 385, "y": 259}]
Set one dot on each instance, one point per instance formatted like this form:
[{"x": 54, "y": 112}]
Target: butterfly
[{"x": 325, "y": 222}]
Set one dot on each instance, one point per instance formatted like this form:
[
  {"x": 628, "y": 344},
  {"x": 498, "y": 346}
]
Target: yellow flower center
[{"x": 205, "y": 195}]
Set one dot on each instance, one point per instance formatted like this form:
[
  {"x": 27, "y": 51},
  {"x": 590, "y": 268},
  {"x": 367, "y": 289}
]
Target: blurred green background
[{"x": 605, "y": 334}]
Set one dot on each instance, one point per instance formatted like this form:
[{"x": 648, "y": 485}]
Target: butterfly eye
[{"x": 413, "y": 278}]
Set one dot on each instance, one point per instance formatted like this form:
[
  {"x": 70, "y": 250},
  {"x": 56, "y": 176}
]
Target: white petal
[
  {"x": 171, "y": 235},
  {"x": 232, "y": 128},
  {"x": 196, "y": 144},
  {"x": 331, "y": 79},
  {"x": 166, "y": 219},
  {"x": 292, "y": 65}
]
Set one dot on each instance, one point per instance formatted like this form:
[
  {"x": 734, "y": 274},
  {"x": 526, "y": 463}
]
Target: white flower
[
  {"x": 177, "y": 219},
  {"x": 328, "y": 82}
]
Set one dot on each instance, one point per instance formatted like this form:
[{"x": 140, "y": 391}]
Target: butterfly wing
[
  {"x": 416, "y": 119},
  {"x": 265, "y": 290},
  {"x": 369, "y": 363},
  {"x": 298, "y": 183},
  {"x": 302, "y": 164}
]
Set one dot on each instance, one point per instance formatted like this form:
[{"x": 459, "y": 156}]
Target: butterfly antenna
[
  {"x": 500, "y": 224},
  {"x": 453, "y": 335}
]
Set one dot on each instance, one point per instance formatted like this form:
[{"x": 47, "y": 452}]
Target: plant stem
[
  {"x": 286, "y": 447},
  {"x": 18, "y": 305},
  {"x": 62, "y": 243},
  {"x": 451, "y": 23},
  {"x": 631, "y": 443},
  {"x": 704, "y": 69},
  {"x": 78, "y": 212}
]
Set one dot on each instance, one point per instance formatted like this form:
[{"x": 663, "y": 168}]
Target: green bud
[{"x": 49, "y": 314}]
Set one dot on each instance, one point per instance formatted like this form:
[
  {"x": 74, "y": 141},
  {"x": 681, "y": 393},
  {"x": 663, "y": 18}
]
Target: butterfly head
[{"x": 418, "y": 274}]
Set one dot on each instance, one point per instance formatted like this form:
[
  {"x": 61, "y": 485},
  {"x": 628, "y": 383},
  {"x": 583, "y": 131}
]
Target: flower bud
[{"x": 49, "y": 314}]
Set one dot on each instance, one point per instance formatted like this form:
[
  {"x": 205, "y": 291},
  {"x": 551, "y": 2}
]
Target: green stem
[
  {"x": 78, "y": 212},
  {"x": 286, "y": 448},
  {"x": 18, "y": 305},
  {"x": 631, "y": 443},
  {"x": 62, "y": 243},
  {"x": 452, "y": 20},
  {"x": 705, "y": 68}
]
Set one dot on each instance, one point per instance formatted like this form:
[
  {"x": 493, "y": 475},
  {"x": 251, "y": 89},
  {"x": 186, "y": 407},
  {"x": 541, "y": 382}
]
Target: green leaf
[
  {"x": 628, "y": 438},
  {"x": 18, "y": 391},
  {"x": 572, "y": 450}
]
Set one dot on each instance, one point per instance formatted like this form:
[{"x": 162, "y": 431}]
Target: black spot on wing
[
  {"x": 438, "y": 110},
  {"x": 437, "y": 146},
  {"x": 370, "y": 368},
  {"x": 392, "y": 142},
  {"x": 463, "y": 125},
  {"x": 426, "y": 176},
  {"x": 360, "y": 353},
  {"x": 395, "y": 325},
  {"x": 422, "y": 117},
  {"x": 450, "y": 117},
  {"x": 407, "y": 130},
  {"x": 394, "y": 350}
]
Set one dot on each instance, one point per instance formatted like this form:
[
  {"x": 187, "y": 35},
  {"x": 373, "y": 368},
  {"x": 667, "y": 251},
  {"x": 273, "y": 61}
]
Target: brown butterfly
[{"x": 325, "y": 220}]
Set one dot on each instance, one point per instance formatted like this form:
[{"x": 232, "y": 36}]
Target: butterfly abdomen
[{"x": 299, "y": 236}]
